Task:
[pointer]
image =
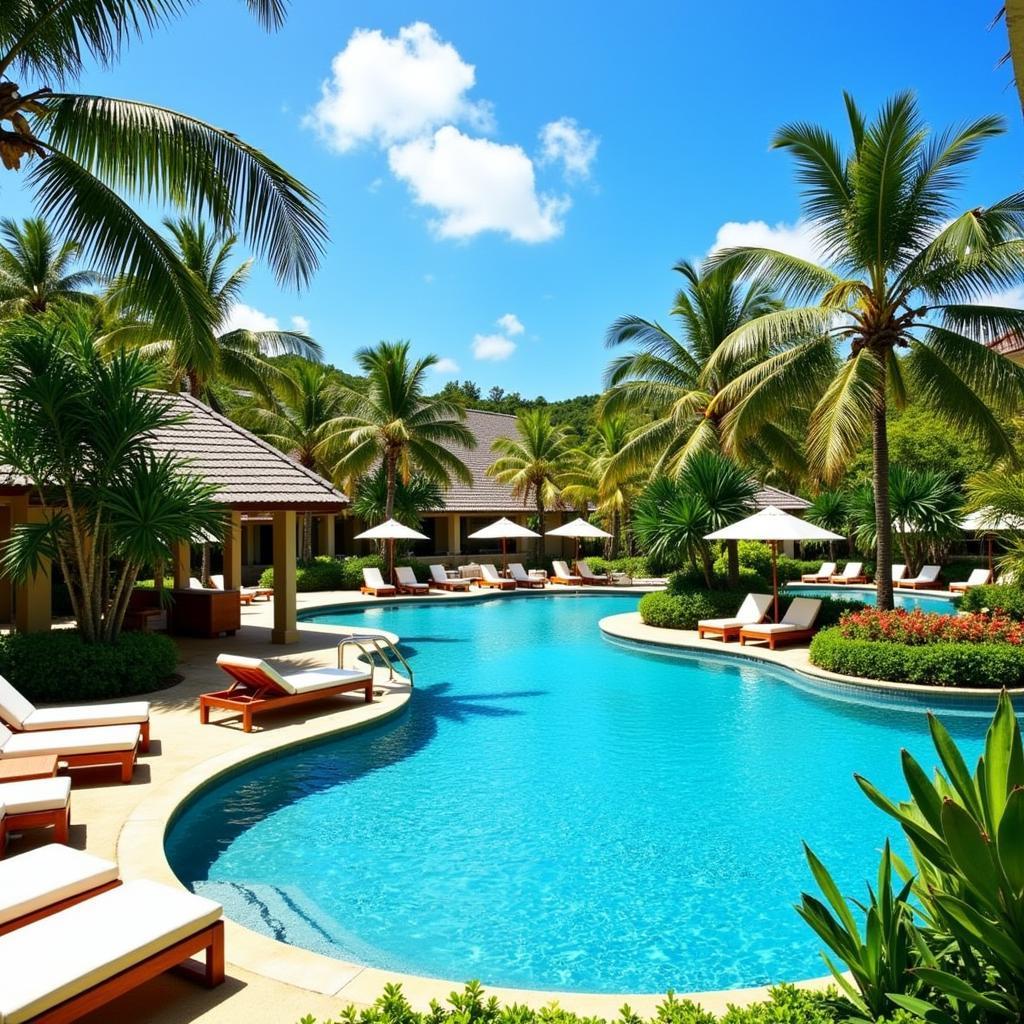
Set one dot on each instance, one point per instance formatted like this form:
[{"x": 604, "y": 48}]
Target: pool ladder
[{"x": 374, "y": 643}]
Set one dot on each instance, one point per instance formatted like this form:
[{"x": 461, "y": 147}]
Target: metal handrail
[{"x": 386, "y": 651}]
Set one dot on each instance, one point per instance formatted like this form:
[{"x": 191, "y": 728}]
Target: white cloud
[
  {"x": 492, "y": 347},
  {"x": 428, "y": 278},
  {"x": 300, "y": 324},
  {"x": 477, "y": 185},
  {"x": 575, "y": 147},
  {"x": 795, "y": 239},
  {"x": 246, "y": 318},
  {"x": 389, "y": 90},
  {"x": 510, "y": 324},
  {"x": 1012, "y": 298},
  {"x": 445, "y": 366}
]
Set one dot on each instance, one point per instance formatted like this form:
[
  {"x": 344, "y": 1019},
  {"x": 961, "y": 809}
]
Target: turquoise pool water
[
  {"x": 553, "y": 811},
  {"x": 902, "y": 598}
]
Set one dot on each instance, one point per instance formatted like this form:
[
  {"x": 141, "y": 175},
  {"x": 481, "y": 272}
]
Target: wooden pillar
[
  {"x": 455, "y": 534},
  {"x": 325, "y": 535},
  {"x": 233, "y": 552},
  {"x": 284, "y": 631},
  {"x": 181, "y": 564},
  {"x": 6, "y": 589},
  {"x": 33, "y": 598}
]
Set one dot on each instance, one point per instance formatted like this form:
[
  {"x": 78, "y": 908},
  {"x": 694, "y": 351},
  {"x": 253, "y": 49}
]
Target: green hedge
[
  {"x": 757, "y": 555},
  {"x": 637, "y": 566},
  {"x": 326, "y": 573},
  {"x": 940, "y": 664},
  {"x": 784, "y": 1005},
  {"x": 58, "y": 667},
  {"x": 1006, "y": 599}
]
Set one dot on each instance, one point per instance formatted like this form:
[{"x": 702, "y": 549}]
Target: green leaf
[
  {"x": 928, "y": 801},
  {"x": 954, "y": 764},
  {"x": 971, "y": 849},
  {"x": 956, "y": 988},
  {"x": 1010, "y": 842}
]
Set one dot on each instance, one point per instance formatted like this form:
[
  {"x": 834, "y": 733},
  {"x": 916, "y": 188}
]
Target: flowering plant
[{"x": 916, "y": 628}]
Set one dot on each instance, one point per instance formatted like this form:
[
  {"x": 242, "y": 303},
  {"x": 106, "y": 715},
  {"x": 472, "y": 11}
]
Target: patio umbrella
[
  {"x": 578, "y": 528},
  {"x": 391, "y": 531},
  {"x": 503, "y": 530},
  {"x": 988, "y": 522},
  {"x": 773, "y": 525}
]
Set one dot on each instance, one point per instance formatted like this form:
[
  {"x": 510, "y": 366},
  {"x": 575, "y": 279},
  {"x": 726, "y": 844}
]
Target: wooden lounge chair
[
  {"x": 246, "y": 594},
  {"x": 37, "y": 803},
  {"x": 853, "y": 572},
  {"x": 43, "y": 881},
  {"x": 405, "y": 580},
  {"x": 796, "y": 624},
  {"x": 259, "y": 687},
  {"x": 978, "y": 578},
  {"x": 591, "y": 579},
  {"x": 823, "y": 575},
  {"x": 78, "y": 748},
  {"x": 563, "y": 576},
  {"x": 80, "y": 959},
  {"x": 21, "y": 715},
  {"x": 440, "y": 580},
  {"x": 523, "y": 579},
  {"x": 753, "y": 610},
  {"x": 373, "y": 583},
  {"x": 899, "y": 570},
  {"x": 926, "y": 579},
  {"x": 489, "y": 578}
]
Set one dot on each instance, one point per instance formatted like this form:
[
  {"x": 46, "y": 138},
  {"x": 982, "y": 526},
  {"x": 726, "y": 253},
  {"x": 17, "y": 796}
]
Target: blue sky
[{"x": 659, "y": 120}]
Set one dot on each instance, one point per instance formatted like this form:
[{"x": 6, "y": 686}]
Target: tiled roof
[
  {"x": 780, "y": 499},
  {"x": 248, "y": 472},
  {"x": 1008, "y": 344}
]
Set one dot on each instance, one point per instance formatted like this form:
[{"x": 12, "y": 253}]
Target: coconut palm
[
  {"x": 87, "y": 157},
  {"x": 534, "y": 463},
  {"x": 421, "y": 494},
  {"x": 663, "y": 384},
  {"x": 239, "y": 356},
  {"x": 36, "y": 269},
  {"x": 898, "y": 273},
  {"x": 390, "y": 419},
  {"x": 830, "y": 510}
]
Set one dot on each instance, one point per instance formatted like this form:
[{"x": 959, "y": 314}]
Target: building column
[
  {"x": 181, "y": 564},
  {"x": 325, "y": 526},
  {"x": 233, "y": 552},
  {"x": 285, "y": 630},
  {"x": 33, "y": 598},
  {"x": 6, "y": 589},
  {"x": 455, "y": 534}
]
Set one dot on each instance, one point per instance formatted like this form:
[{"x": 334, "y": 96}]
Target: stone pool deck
[{"x": 269, "y": 982}]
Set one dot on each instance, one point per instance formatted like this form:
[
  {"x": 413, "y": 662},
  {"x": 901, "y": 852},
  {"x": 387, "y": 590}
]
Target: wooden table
[{"x": 38, "y": 766}]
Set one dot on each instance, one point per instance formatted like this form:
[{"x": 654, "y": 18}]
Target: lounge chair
[
  {"x": 247, "y": 594},
  {"x": 523, "y": 579},
  {"x": 853, "y": 572},
  {"x": 927, "y": 578},
  {"x": 46, "y": 880},
  {"x": 899, "y": 570},
  {"x": 591, "y": 579},
  {"x": 21, "y": 715},
  {"x": 489, "y": 578},
  {"x": 753, "y": 610},
  {"x": 373, "y": 583},
  {"x": 796, "y": 624},
  {"x": 82, "y": 958},
  {"x": 37, "y": 803},
  {"x": 439, "y": 580},
  {"x": 407, "y": 583},
  {"x": 78, "y": 748},
  {"x": 563, "y": 576},
  {"x": 259, "y": 687},
  {"x": 978, "y": 578},
  {"x": 823, "y": 575}
]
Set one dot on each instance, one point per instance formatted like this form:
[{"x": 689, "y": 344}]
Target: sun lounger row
[
  {"x": 748, "y": 622},
  {"x": 73, "y": 937},
  {"x": 926, "y": 579}
]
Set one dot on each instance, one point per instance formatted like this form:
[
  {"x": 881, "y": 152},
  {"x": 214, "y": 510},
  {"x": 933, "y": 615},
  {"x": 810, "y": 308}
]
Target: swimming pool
[
  {"x": 907, "y": 599},
  {"x": 552, "y": 811}
]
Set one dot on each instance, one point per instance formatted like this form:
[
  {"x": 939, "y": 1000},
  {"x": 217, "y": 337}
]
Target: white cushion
[
  {"x": 773, "y": 627},
  {"x": 14, "y": 708},
  {"x": 96, "y": 740},
  {"x": 27, "y": 795},
  {"x": 49, "y": 961},
  {"x": 322, "y": 679},
  {"x": 723, "y": 623},
  {"x": 801, "y": 613},
  {"x": 46, "y": 876},
  {"x": 133, "y": 712}
]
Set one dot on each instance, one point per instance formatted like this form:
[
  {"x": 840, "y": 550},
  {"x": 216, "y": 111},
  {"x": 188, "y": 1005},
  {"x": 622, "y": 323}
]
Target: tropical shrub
[
  {"x": 785, "y": 1005},
  {"x": 636, "y": 566},
  {"x": 756, "y": 555},
  {"x": 1002, "y": 600},
  {"x": 60, "y": 666},
  {"x": 917, "y": 627},
  {"x": 326, "y": 573},
  {"x": 972, "y": 664}
]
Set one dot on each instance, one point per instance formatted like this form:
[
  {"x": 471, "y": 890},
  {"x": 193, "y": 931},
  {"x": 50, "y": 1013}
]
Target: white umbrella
[
  {"x": 391, "y": 531},
  {"x": 503, "y": 529},
  {"x": 773, "y": 525},
  {"x": 578, "y": 528}
]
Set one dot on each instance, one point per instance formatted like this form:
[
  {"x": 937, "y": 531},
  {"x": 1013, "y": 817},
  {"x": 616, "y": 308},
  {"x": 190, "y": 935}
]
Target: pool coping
[{"x": 141, "y": 853}]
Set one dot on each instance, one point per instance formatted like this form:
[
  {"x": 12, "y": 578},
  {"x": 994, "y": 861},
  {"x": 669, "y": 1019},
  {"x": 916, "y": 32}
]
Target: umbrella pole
[
  {"x": 989, "y": 538},
  {"x": 775, "y": 579},
  {"x": 504, "y": 557}
]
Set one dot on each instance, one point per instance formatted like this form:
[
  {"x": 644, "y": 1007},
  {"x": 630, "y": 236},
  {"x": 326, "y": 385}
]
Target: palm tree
[
  {"x": 830, "y": 510},
  {"x": 199, "y": 361},
  {"x": 898, "y": 274},
  {"x": 663, "y": 382},
  {"x": 35, "y": 270},
  {"x": 88, "y": 157},
  {"x": 534, "y": 464},
  {"x": 390, "y": 419}
]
